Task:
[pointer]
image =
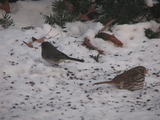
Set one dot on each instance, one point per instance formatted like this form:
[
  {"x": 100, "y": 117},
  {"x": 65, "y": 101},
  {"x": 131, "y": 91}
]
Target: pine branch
[
  {"x": 62, "y": 13},
  {"x": 96, "y": 58},
  {"x": 151, "y": 35},
  {"x": 6, "y": 21},
  {"x": 104, "y": 11}
]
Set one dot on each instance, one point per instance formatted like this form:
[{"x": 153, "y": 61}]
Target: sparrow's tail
[
  {"x": 75, "y": 59},
  {"x": 105, "y": 82}
]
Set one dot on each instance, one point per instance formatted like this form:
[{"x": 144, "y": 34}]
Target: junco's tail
[
  {"x": 75, "y": 59},
  {"x": 105, "y": 82}
]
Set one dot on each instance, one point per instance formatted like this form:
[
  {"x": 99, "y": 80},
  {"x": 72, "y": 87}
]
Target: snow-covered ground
[{"x": 32, "y": 89}]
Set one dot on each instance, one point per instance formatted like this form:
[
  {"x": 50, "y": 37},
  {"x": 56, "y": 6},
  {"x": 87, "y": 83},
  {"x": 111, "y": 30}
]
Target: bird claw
[{"x": 56, "y": 66}]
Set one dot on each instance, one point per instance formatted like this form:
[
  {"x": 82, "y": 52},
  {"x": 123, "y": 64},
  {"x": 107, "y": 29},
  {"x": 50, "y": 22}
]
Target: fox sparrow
[{"x": 132, "y": 79}]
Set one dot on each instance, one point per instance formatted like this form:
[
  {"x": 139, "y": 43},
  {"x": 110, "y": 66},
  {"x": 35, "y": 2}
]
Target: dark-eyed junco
[
  {"x": 52, "y": 55},
  {"x": 132, "y": 79}
]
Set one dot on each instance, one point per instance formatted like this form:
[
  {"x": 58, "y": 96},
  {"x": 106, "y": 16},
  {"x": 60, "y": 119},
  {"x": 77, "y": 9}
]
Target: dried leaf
[
  {"x": 112, "y": 38},
  {"x": 28, "y": 44},
  {"x": 87, "y": 43},
  {"x": 92, "y": 9},
  {"x": 40, "y": 40},
  {"x": 6, "y": 7},
  {"x": 83, "y": 17},
  {"x": 34, "y": 39},
  {"x": 69, "y": 6}
]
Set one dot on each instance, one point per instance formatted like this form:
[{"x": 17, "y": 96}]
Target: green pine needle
[{"x": 6, "y": 21}]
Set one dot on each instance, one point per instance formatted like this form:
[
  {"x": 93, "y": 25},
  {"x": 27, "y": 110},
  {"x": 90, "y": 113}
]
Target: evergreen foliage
[
  {"x": 150, "y": 34},
  {"x": 6, "y": 21},
  {"x": 155, "y": 12},
  {"x": 60, "y": 14},
  {"x": 123, "y": 11},
  {"x": 66, "y": 11},
  {"x": 96, "y": 58}
]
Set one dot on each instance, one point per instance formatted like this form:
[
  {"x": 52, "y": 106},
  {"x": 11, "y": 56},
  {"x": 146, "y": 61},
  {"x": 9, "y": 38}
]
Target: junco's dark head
[{"x": 46, "y": 45}]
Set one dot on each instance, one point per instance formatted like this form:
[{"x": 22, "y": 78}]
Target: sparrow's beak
[{"x": 146, "y": 71}]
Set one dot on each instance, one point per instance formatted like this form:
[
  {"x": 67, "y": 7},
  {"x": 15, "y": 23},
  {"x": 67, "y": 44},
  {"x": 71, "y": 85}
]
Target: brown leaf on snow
[
  {"x": 87, "y": 43},
  {"x": 34, "y": 39},
  {"x": 112, "y": 38},
  {"x": 40, "y": 40},
  {"x": 28, "y": 44}
]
